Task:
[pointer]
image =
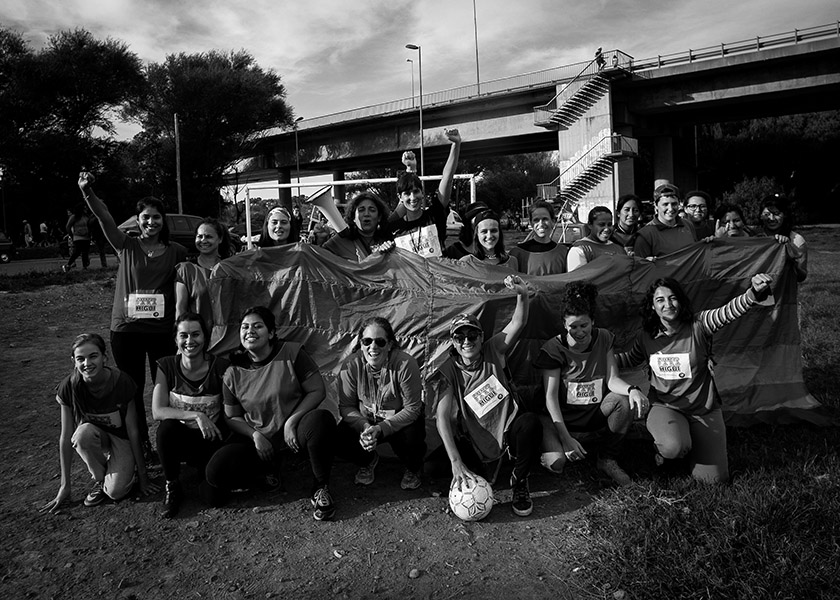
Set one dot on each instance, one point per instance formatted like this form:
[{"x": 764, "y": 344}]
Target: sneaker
[
  {"x": 324, "y": 507},
  {"x": 522, "y": 505},
  {"x": 172, "y": 499},
  {"x": 96, "y": 496},
  {"x": 410, "y": 480},
  {"x": 613, "y": 471},
  {"x": 66, "y": 268},
  {"x": 366, "y": 475}
]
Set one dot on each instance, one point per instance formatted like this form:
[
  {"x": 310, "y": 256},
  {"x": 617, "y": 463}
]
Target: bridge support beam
[
  {"x": 663, "y": 161},
  {"x": 339, "y": 190},
  {"x": 284, "y": 175}
]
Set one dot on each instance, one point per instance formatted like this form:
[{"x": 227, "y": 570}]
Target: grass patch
[
  {"x": 34, "y": 280},
  {"x": 774, "y": 532}
]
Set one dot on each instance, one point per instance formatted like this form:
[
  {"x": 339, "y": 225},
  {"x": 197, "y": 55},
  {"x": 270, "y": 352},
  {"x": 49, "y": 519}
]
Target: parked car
[
  {"x": 453, "y": 223},
  {"x": 181, "y": 229},
  {"x": 7, "y": 248}
]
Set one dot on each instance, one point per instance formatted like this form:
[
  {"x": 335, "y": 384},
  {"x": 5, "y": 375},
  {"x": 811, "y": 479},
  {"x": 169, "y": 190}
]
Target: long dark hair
[
  {"x": 197, "y": 318},
  {"x": 240, "y": 356},
  {"x": 651, "y": 323},
  {"x": 499, "y": 248},
  {"x": 158, "y": 205},
  {"x": 222, "y": 232},
  {"x": 622, "y": 200},
  {"x": 266, "y": 240}
]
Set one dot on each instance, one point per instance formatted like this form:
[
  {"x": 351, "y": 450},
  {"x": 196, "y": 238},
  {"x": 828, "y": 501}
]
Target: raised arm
[
  {"x": 115, "y": 237},
  {"x": 445, "y": 187},
  {"x": 712, "y": 320},
  {"x": 511, "y": 332}
]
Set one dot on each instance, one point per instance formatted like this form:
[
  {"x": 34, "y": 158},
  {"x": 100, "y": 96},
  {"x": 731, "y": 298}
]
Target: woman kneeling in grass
[
  {"x": 686, "y": 419},
  {"x": 98, "y": 420}
]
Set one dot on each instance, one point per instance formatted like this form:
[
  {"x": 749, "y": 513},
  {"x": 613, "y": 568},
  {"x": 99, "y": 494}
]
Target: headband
[{"x": 280, "y": 209}]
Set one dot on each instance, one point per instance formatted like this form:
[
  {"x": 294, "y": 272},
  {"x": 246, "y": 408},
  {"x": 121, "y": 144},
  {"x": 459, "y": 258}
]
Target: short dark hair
[
  {"x": 781, "y": 204},
  {"x": 699, "y": 194},
  {"x": 382, "y": 322},
  {"x": 598, "y": 210},
  {"x": 407, "y": 182},
  {"x": 263, "y": 313},
  {"x": 651, "y": 323}
]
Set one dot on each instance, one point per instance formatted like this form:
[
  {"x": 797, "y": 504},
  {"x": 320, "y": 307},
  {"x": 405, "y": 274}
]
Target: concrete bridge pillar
[
  {"x": 284, "y": 175},
  {"x": 663, "y": 161},
  {"x": 339, "y": 190}
]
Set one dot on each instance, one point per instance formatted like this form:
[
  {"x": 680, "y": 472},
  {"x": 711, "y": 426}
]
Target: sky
[{"x": 335, "y": 55}]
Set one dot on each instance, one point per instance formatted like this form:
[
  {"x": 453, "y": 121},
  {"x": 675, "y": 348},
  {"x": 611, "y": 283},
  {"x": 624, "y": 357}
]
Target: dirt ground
[{"x": 384, "y": 543}]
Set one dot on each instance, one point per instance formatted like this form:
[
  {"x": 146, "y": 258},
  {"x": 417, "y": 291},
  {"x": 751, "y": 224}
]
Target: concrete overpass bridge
[{"x": 595, "y": 115}]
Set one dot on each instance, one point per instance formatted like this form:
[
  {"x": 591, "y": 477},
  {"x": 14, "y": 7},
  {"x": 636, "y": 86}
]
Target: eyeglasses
[
  {"x": 693, "y": 207},
  {"x": 471, "y": 335},
  {"x": 379, "y": 342}
]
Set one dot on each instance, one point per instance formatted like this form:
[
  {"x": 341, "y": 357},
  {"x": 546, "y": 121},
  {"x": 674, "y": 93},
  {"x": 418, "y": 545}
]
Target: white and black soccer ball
[{"x": 471, "y": 502}]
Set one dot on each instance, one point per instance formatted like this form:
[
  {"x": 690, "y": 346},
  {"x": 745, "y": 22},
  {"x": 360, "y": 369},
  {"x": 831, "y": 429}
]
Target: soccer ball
[{"x": 471, "y": 503}]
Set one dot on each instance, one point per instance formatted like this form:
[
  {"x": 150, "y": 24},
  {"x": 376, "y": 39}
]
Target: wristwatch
[{"x": 633, "y": 387}]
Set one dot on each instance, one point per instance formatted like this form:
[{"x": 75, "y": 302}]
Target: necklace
[
  {"x": 150, "y": 252},
  {"x": 214, "y": 261}
]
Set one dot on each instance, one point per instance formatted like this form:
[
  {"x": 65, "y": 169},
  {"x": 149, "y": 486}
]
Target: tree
[
  {"x": 504, "y": 181},
  {"x": 224, "y": 103},
  {"x": 51, "y": 102}
]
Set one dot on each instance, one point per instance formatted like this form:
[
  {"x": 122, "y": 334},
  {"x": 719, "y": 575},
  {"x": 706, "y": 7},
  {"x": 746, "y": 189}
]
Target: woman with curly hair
[
  {"x": 686, "y": 419},
  {"x": 363, "y": 228},
  {"x": 583, "y": 390}
]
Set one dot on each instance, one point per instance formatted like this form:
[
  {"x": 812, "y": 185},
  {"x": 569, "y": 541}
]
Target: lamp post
[
  {"x": 475, "y": 29},
  {"x": 297, "y": 153},
  {"x": 412, "y": 80},
  {"x": 3, "y": 192},
  {"x": 420, "y": 77}
]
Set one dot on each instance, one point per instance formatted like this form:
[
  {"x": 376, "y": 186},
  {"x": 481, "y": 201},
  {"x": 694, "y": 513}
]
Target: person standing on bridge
[{"x": 420, "y": 226}]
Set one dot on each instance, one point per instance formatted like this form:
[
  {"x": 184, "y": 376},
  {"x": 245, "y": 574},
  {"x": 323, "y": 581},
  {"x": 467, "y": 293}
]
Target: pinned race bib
[
  {"x": 584, "y": 392},
  {"x": 671, "y": 366},
  {"x": 423, "y": 241},
  {"x": 486, "y": 396},
  {"x": 142, "y": 305}
]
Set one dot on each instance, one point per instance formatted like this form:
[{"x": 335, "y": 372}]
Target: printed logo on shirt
[
  {"x": 671, "y": 366},
  {"x": 209, "y": 405},
  {"x": 423, "y": 241},
  {"x": 486, "y": 396},
  {"x": 144, "y": 305},
  {"x": 584, "y": 392},
  {"x": 112, "y": 420}
]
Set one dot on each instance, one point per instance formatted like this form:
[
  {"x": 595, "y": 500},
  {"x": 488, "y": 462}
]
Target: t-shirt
[
  {"x": 536, "y": 258},
  {"x": 144, "y": 296},
  {"x": 435, "y": 214},
  {"x": 269, "y": 391},
  {"x": 78, "y": 226},
  {"x": 658, "y": 239},
  {"x": 349, "y": 245},
  {"x": 584, "y": 371},
  {"x": 585, "y": 250},
  {"x": 484, "y": 401},
  {"x": 510, "y": 262},
  {"x": 194, "y": 278},
  {"x": 106, "y": 411},
  {"x": 196, "y": 396}
]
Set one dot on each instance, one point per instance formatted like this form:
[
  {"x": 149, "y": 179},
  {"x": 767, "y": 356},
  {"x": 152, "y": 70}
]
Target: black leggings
[
  {"x": 130, "y": 350},
  {"x": 523, "y": 438},
  {"x": 409, "y": 444},
  {"x": 177, "y": 443},
  {"x": 237, "y": 465}
]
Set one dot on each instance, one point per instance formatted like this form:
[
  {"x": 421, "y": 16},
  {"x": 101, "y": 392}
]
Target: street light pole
[
  {"x": 297, "y": 153},
  {"x": 412, "y": 80},
  {"x": 475, "y": 29},
  {"x": 420, "y": 77}
]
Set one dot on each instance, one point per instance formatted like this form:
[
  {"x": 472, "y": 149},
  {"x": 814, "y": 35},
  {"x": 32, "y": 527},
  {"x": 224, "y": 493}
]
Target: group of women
[{"x": 233, "y": 418}]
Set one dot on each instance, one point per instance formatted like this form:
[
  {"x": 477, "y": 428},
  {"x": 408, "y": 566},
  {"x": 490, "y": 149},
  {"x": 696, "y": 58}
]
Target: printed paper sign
[
  {"x": 145, "y": 306},
  {"x": 423, "y": 241},
  {"x": 671, "y": 366},
  {"x": 584, "y": 392},
  {"x": 486, "y": 396}
]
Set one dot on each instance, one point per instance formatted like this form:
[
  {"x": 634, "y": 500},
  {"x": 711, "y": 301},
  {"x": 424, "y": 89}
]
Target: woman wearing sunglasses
[
  {"x": 478, "y": 415},
  {"x": 379, "y": 397}
]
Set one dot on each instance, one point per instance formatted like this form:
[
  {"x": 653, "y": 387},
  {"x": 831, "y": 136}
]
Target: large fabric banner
[{"x": 320, "y": 300}]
